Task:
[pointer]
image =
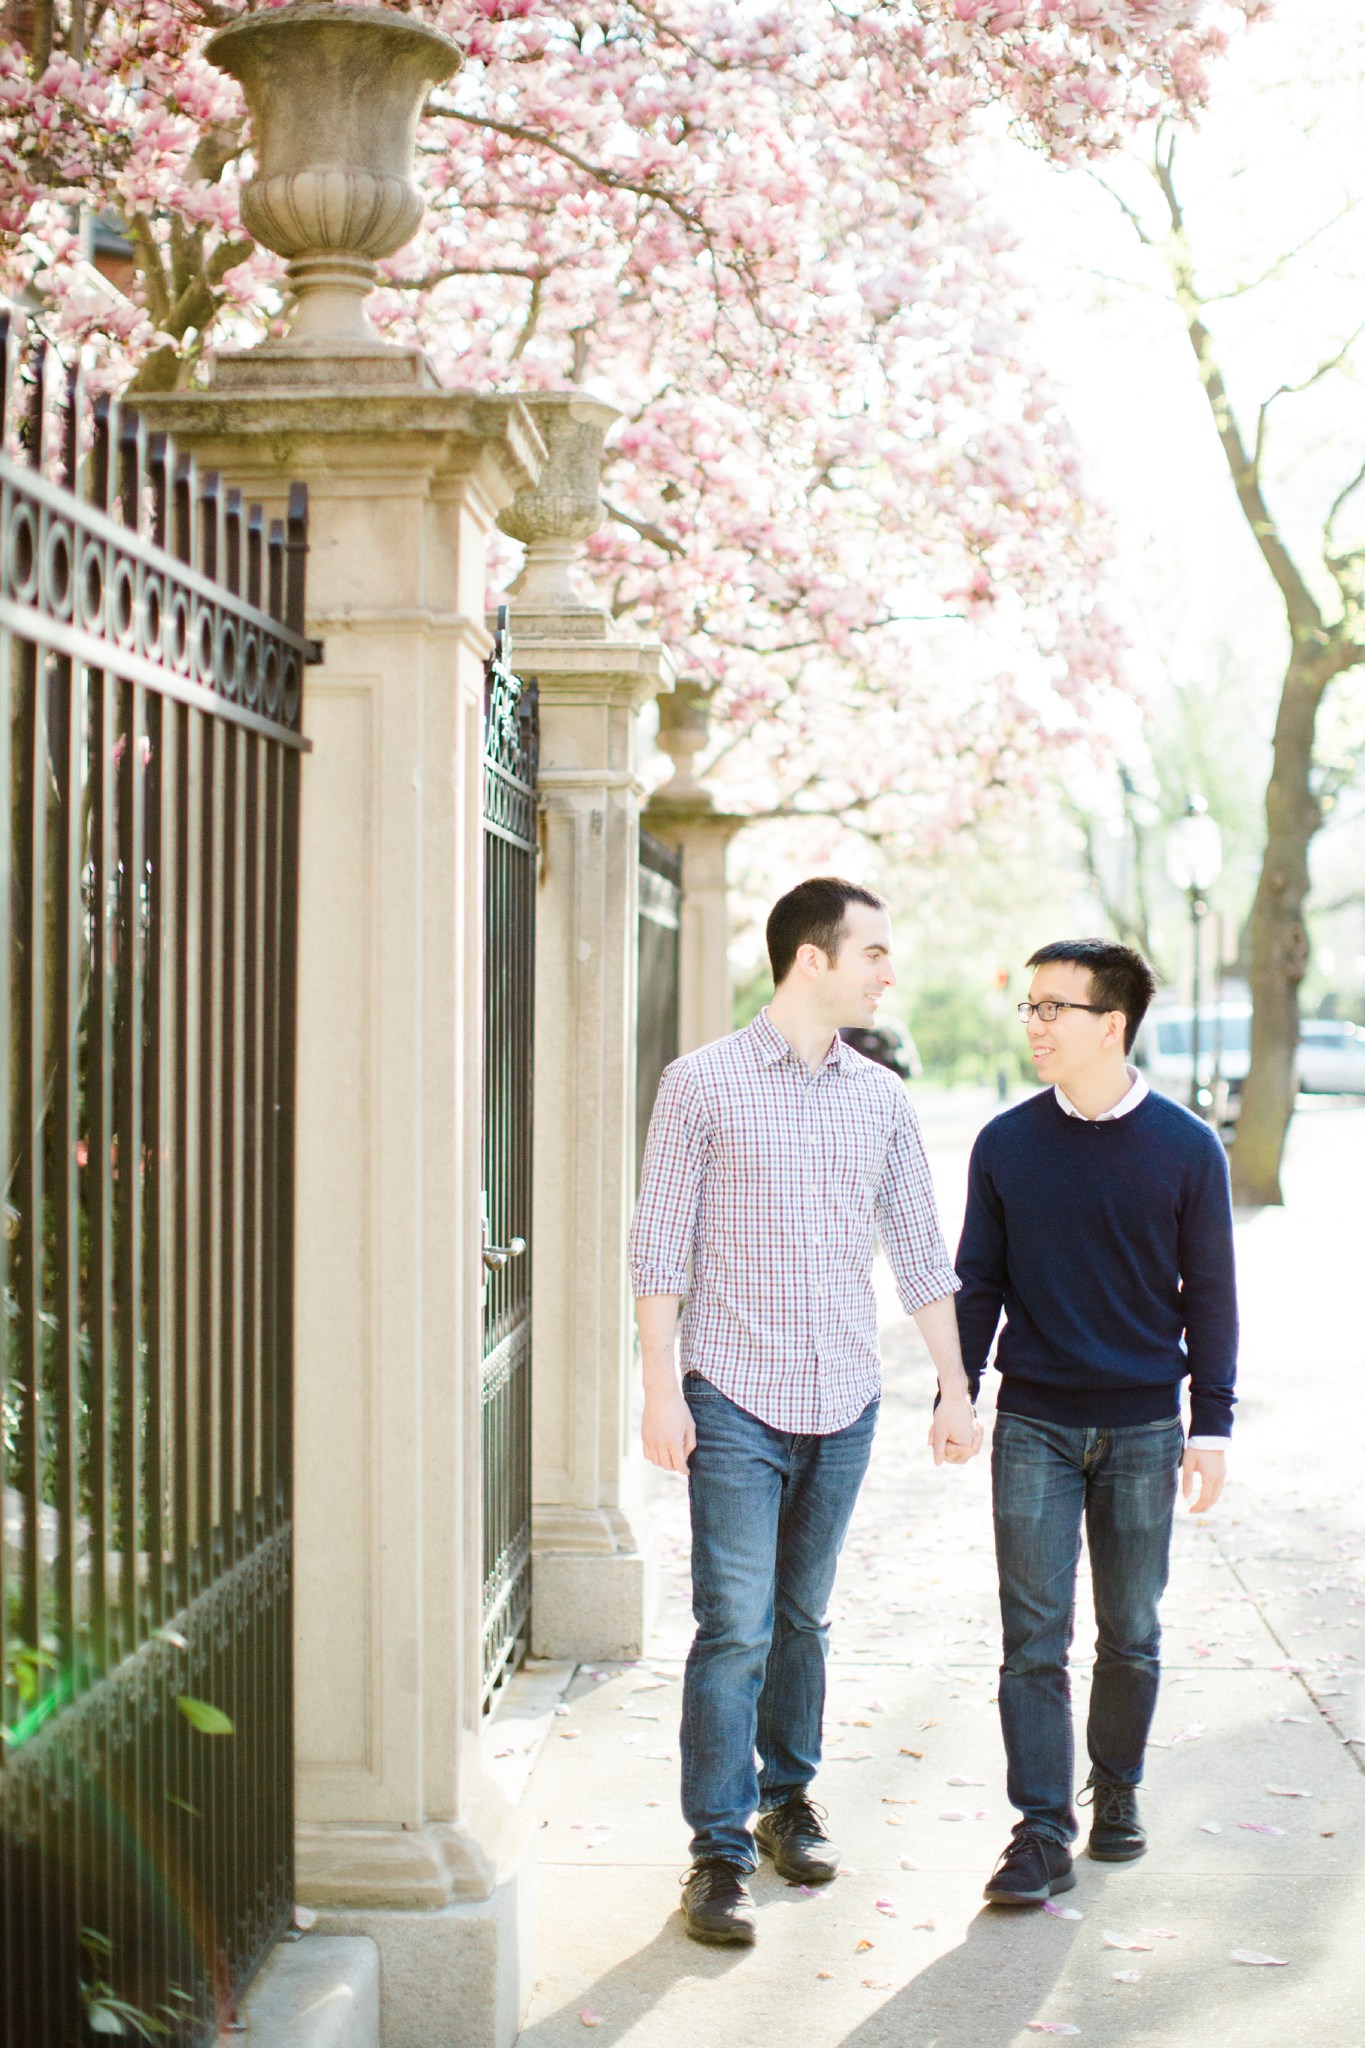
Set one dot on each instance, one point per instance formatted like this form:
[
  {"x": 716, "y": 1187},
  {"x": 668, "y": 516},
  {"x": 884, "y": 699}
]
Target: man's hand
[
  {"x": 1209, "y": 1469},
  {"x": 955, "y": 1435},
  {"x": 668, "y": 1432}
]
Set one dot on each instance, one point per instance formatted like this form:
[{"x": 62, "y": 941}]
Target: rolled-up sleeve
[
  {"x": 907, "y": 1218},
  {"x": 665, "y": 1218}
]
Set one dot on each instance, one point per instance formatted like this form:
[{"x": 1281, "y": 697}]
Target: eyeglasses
[{"x": 1048, "y": 1011}]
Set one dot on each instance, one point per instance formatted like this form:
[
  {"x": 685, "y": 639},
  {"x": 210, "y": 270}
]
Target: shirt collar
[
  {"x": 773, "y": 1048},
  {"x": 1137, "y": 1088}
]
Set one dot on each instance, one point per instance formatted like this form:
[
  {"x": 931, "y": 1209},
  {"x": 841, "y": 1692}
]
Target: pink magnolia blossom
[{"x": 842, "y": 490}]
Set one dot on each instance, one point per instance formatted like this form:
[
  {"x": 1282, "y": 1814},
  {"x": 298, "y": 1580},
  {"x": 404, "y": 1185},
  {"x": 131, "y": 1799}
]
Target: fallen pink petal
[{"x": 1256, "y": 1959}]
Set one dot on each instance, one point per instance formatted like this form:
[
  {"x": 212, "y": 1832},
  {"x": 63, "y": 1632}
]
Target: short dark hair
[
  {"x": 812, "y": 914},
  {"x": 1120, "y": 979}
]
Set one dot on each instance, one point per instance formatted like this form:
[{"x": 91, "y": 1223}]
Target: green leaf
[
  {"x": 102, "y": 2019},
  {"x": 201, "y": 1716}
]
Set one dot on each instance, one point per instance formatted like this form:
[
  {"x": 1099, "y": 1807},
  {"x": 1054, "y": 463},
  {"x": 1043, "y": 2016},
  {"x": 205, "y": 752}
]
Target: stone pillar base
[
  {"x": 595, "y": 1585},
  {"x": 457, "y": 1978}
]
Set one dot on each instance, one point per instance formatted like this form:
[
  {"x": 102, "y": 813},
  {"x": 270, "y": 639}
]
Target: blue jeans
[
  {"x": 1045, "y": 1480},
  {"x": 770, "y": 1510}
]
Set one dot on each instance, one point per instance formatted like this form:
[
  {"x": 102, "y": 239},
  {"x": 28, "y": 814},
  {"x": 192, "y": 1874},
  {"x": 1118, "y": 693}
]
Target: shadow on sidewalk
[
  {"x": 992, "y": 1984},
  {"x": 630, "y": 1991}
]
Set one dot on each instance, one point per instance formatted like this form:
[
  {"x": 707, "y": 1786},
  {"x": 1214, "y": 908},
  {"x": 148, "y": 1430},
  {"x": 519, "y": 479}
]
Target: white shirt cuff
[{"x": 1207, "y": 1443}]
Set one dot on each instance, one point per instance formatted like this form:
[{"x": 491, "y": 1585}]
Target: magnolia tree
[{"x": 842, "y": 490}]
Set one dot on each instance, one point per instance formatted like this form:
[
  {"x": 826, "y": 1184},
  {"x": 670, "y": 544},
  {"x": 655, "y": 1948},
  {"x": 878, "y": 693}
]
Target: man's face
[
  {"x": 1076, "y": 1041},
  {"x": 853, "y": 984}
]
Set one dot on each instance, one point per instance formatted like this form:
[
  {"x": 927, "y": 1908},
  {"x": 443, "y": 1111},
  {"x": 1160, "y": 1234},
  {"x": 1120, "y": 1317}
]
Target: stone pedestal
[
  {"x": 683, "y": 815},
  {"x": 401, "y": 1837},
  {"x": 702, "y": 835},
  {"x": 591, "y": 1564},
  {"x": 591, "y": 1561}
]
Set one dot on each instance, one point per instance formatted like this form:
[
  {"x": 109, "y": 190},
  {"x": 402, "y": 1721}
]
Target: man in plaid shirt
[{"x": 772, "y": 1156}]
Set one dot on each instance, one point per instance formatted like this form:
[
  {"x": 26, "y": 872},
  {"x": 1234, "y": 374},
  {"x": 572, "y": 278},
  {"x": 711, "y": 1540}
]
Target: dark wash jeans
[
  {"x": 770, "y": 1510},
  {"x": 1046, "y": 1480}
]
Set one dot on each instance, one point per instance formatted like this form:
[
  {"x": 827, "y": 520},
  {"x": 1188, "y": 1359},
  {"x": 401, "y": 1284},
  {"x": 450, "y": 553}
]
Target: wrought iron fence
[
  {"x": 659, "y": 980},
  {"x": 151, "y": 656},
  {"x": 509, "y": 839}
]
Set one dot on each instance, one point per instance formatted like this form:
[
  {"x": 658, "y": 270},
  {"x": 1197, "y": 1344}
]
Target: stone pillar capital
[
  {"x": 684, "y": 820},
  {"x": 590, "y": 663}
]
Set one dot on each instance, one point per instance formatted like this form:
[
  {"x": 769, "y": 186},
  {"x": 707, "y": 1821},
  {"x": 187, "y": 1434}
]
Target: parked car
[
  {"x": 1165, "y": 1048},
  {"x": 889, "y": 1044},
  {"x": 1331, "y": 1057}
]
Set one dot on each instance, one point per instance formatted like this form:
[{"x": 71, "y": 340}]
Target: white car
[
  {"x": 1331, "y": 1057},
  {"x": 1165, "y": 1048}
]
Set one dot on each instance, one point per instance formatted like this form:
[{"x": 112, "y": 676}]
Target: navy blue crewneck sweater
[{"x": 1109, "y": 1247}]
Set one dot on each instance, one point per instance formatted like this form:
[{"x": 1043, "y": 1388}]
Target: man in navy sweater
[{"x": 1099, "y": 1219}]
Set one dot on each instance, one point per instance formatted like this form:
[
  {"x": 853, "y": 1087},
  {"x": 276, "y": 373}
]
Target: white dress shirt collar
[{"x": 1137, "y": 1089}]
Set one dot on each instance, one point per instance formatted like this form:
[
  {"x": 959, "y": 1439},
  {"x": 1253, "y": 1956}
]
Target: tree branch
[
  {"x": 1305, "y": 617},
  {"x": 646, "y": 528},
  {"x": 154, "y": 280},
  {"x": 530, "y": 323}
]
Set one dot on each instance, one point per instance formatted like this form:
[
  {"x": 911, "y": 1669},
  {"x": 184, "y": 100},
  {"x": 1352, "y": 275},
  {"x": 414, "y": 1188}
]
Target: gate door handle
[{"x": 496, "y": 1256}]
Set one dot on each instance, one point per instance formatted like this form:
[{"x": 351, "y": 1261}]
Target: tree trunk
[{"x": 1279, "y": 943}]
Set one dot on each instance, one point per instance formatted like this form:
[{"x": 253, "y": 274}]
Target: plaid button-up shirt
[{"x": 768, "y": 1180}]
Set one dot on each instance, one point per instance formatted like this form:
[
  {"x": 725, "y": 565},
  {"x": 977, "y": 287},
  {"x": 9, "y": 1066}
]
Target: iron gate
[
  {"x": 151, "y": 656},
  {"x": 509, "y": 842},
  {"x": 658, "y": 984}
]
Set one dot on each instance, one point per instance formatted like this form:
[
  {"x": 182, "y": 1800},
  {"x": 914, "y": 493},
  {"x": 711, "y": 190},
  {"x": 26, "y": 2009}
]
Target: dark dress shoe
[
  {"x": 1116, "y": 1833},
  {"x": 717, "y": 1905},
  {"x": 794, "y": 1835},
  {"x": 1032, "y": 1868}
]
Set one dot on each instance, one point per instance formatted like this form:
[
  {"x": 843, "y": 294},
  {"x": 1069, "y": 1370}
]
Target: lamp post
[{"x": 1194, "y": 861}]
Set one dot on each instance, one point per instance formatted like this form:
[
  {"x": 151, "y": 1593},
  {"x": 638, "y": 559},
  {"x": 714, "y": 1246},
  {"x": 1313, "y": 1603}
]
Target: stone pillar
[
  {"x": 591, "y": 1562},
  {"x": 683, "y": 815},
  {"x": 402, "y": 1833}
]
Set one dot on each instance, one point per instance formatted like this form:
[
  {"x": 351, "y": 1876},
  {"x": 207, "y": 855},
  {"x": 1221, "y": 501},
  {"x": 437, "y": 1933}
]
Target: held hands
[
  {"x": 955, "y": 1435},
  {"x": 1208, "y": 1469},
  {"x": 668, "y": 1432}
]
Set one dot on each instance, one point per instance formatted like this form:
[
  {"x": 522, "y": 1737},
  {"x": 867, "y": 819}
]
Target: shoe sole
[
  {"x": 1115, "y": 1855},
  {"x": 787, "y": 1871},
  {"x": 801, "y": 1876},
  {"x": 737, "y": 1939},
  {"x": 1064, "y": 1883}
]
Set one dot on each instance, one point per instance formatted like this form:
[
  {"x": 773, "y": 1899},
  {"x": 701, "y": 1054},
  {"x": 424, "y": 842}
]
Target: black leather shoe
[
  {"x": 1032, "y": 1868},
  {"x": 793, "y": 1834},
  {"x": 1116, "y": 1833},
  {"x": 717, "y": 1905}
]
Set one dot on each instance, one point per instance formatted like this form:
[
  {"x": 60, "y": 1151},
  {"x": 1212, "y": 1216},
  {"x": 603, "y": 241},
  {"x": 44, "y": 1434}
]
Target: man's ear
[
  {"x": 1116, "y": 1026},
  {"x": 808, "y": 959}
]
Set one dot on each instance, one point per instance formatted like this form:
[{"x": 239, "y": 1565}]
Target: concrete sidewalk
[{"x": 1263, "y": 1690}]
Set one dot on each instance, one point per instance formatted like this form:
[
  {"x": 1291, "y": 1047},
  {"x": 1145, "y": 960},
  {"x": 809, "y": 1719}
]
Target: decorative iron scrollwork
[{"x": 511, "y": 737}]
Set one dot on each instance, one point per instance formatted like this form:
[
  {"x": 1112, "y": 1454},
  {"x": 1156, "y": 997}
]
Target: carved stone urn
[
  {"x": 553, "y": 516},
  {"x": 684, "y": 729},
  {"x": 335, "y": 94}
]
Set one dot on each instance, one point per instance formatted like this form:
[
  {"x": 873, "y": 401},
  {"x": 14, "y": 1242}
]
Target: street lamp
[{"x": 1194, "y": 861}]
